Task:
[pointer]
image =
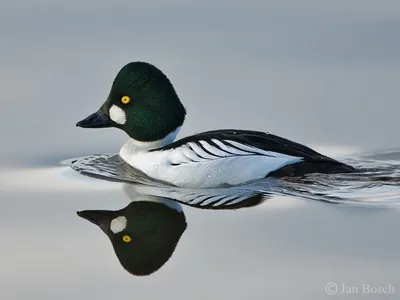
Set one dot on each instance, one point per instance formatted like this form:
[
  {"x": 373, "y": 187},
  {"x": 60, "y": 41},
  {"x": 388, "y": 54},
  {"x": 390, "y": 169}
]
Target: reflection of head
[{"x": 144, "y": 234}]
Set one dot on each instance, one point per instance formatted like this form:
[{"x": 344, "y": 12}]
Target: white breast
[{"x": 204, "y": 164}]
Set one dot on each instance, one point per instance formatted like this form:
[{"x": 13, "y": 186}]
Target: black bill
[
  {"x": 101, "y": 218},
  {"x": 96, "y": 120}
]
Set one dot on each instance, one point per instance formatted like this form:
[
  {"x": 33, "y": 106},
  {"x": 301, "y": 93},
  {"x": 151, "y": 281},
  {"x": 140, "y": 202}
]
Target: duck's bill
[
  {"x": 101, "y": 218},
  {"x": 96, "y": 120}
]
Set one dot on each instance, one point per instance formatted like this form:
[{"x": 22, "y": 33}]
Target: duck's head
[
  {"x": 142, "y": 102},
  {"x": 144, "y": 234}
]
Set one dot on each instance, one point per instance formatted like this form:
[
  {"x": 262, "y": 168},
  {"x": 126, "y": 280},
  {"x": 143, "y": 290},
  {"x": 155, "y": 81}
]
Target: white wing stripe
[
  {"x": 215, "y": 198},
  {"x": 219, "y": 203},
  {"x": 226, "y": 199},
  {"x": 231, "y": 149},
  {"x": 190, "y": 154},
  {"x": 200, "y": 152},
  {"x": 240, "y": 199},
  {"x": 213, "y": 150},
  {"x": 198, "y": 199},
  {"x": 249, "y": 149}
]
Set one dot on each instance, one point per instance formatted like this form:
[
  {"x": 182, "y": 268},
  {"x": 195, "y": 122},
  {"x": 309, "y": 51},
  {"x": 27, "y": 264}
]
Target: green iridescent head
[{"x": 142, "y": 102}]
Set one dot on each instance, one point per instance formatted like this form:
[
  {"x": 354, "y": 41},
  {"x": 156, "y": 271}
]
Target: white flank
[
  {"x": 206, "y": 166},
  {"x": 118, "y": 224},
  {"x": 117, "y": 115}
]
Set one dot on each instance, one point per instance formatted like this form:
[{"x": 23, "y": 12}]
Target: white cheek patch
[
  {"x": 117, "y": 115},
  {"x": 118, "y": 224}
]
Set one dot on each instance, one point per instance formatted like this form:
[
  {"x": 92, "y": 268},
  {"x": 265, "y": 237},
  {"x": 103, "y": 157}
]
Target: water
[
  {"x": 331, "y": 228},
  {"x": 316, "y": 74},
  {"x": 375, "y": 183}
]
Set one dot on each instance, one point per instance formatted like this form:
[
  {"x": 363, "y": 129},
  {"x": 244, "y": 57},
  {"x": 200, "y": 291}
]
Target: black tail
[{"x": 307, "y": 167}]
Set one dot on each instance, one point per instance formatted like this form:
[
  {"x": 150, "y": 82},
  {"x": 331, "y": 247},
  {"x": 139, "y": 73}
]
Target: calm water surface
[{"x": 286, "y": 246}]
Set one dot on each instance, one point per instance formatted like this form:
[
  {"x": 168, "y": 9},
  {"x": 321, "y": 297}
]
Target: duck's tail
[{"x": 306, "y": 167}]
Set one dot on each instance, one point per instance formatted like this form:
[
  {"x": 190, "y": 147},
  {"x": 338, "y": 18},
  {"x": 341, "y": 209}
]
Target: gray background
[
  {"x": 316, "y": 72},
  {"x": 323, "y": 73}
]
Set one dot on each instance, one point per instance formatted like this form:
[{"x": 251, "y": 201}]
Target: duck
[{"x": 144, "y": 104}]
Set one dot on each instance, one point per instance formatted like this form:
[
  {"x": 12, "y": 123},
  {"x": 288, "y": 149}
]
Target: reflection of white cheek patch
[
  {"x": 118, "y": 224},
  {"x": 117, "y": 115}
]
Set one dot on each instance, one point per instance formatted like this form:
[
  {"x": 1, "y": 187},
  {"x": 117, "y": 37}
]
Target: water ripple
[{"x": 376, "y": 183}]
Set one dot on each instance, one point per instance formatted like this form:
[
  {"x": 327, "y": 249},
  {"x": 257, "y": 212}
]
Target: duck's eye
[
  {"x": 126, "y": 238},
  {"x": 125, "y": 99}
]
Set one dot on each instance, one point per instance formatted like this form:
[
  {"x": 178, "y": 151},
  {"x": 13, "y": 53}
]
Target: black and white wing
[{"x": 217, "y": 144}]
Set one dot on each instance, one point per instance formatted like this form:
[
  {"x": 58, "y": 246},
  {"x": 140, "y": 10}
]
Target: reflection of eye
[
  {"x": 125, "y": 99},
  {"x": 126, "y": 238}
]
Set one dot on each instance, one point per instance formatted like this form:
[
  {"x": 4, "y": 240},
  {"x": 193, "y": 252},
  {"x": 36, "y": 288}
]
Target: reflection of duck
[
  {"x": 144, "y": 234},
  {"x": 219, "y": 198},
  {"x": 144, "y": 104}
]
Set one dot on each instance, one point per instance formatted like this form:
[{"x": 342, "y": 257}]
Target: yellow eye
[
  {"x": 125, "y": 99},
  {"x": 126, "y": 238}
]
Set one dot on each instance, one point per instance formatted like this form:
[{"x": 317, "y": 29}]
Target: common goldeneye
[{"x": 143, "y": 103}]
